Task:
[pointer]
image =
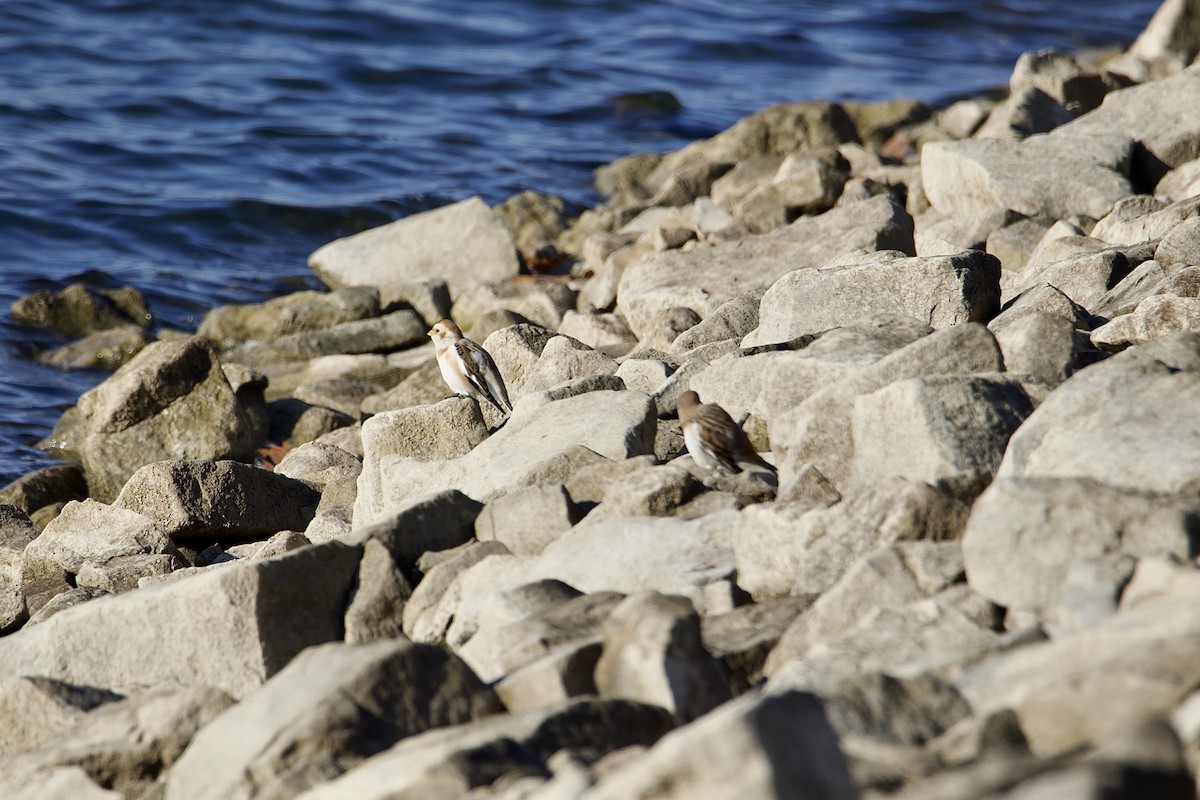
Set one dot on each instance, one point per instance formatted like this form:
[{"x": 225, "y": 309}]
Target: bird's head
[{"x": 444, "y": 331}]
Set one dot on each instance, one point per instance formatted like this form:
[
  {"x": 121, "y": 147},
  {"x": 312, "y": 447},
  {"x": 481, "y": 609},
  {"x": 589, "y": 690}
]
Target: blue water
[{"x": 201, "y": 149}]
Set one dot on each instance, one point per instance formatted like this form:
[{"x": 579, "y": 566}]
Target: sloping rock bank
[{"x": 283, "y": 562}]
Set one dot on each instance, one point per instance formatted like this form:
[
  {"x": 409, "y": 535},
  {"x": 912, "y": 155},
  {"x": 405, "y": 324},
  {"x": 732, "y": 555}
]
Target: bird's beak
[{"x": 429, "y": 332}]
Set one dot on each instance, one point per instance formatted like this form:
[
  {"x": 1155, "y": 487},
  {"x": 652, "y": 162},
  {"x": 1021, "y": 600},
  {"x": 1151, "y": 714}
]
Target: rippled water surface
[{"x": 200, "y": 149}]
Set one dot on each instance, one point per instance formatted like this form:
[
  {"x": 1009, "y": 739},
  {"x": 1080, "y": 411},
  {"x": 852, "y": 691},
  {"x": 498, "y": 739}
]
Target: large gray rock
[
  {"x": 653, "y": 653},
  {"x": 563, "y": 359},
  {"x": 37, "y": 709},
  {"x": 78, "y": 310},
  {"x": 128, "y": 744},
  {"x": 705, "y": 278},
  {"x": 1062, "y": 549},
  {"x": 464, "y": 243},
  {"x": 764, "y": 746},
  {"x": 436, "y": 432},
  {"x": 1044, "y": 346},
  {"x": 46, "y": 486},
  {"x": 232, "y": 627},
  {"x": 949, "y": 431},
  {"x": 1156, "y": 316},
  {"x": 439, "y": 521},
  {"x": 376, "y": 609},
  {"x": 94, "y": 534},
  {"x": 172, "y": 401},
  {"x": 214, "y": 500},
  {"x": 1144, "y": 219},
  {"x": 534, "y": 446},
  {"x": 528, "y": 519},
  {"x": 331, "y": 708},
  {"x": 1134, "y": 667},
  {"x": 1149, "y": 114},
  {"x": 394, "y": 331},
  {"x": 1081, "y": 174},
  {"x": 691, "y": 558},
  {"x": 16, "y": 532},
  {"x": 938, "y": 290},
  {"x": 452, "y": 761},
  {"x": 799, "y": 549},
  {"x": 1127, "y": 422},
  {"x": 743, "y": 637},
  {"x": 818, "y": 431},
  {"x": 107, "y": 349},
  {"x": 1083, "y": 278},
  {"x": 293, "y": 313}
]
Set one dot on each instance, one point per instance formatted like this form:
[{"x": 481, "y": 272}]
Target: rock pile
[{"x": 967, "y": 338}]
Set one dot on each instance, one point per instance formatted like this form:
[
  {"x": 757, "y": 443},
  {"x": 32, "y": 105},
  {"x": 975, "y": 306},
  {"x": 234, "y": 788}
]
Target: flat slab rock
[
  {"x": 533, "y": 446},
  {"x": 703, "y": 279},
  {"x": 464, "y": 243}
]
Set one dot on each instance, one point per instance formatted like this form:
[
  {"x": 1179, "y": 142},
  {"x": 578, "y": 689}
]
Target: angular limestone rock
[
  {"x": 332, "y": 707},
  {"x": 231, "y": 628},
  {"x": 213, "y": 500},
  {"x": 172, "y": 401},
  {"x": 704, "y": 279},
  {"x": 464, "y": 243},
  {"x": 938, "y": 291},
  {"x": 293, "y": 313},
  {"x": 1081, "y": 174}
]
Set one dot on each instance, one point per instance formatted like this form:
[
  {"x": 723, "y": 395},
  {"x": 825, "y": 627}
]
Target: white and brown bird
[
  {"x": 467, "y": 368},
  {"x": 715, "y": 441}
]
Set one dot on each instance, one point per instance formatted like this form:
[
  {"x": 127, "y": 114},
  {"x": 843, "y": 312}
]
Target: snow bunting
[
  {"x": 467, "y": 367},
  {"x": 713, "y": 438}
]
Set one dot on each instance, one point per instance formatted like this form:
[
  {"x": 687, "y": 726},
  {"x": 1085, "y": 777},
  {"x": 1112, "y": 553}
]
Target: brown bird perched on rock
[
  {"x": 467, "y": 368},
  {"x": 713, "y": 438}
]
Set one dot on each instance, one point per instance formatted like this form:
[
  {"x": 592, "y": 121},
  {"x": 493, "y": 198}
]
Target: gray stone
[
  {"x": 948, "y": 430},
  {"x": 394, "y": 331},
  {"x": 644, "y": 374},
  {"x": 1180, "y": 183},
  {"x": 561, "y": 674},
  {"x": 1132, "y": 668},
  {"x": 962, "y": 232},
  {"x": 1061, "y": 76},
  {"x": 743, "y": 637},
  {"x": 818, "y": 430},
  {"x": 939, "y": 291},
  {"x": 746, "y": 176},
  {"x": 1039, "y": 299},
  {"x": 563, "y": 359},
  {"x": 107, "y": 349},
  {"x": 733, "y": 319},
  {"x": 294, "y": 422},
  {"x": 171, "y": 401},
  {"x": 422, "y": 386},
  {"x": 653, "y": 653},
  {"x": 298, "y": 312},
  {"x": 376, "y": 609},
  {"x": 344, "y": 395},
  {"x": 1156, "y": 316},
  {"x": 1147, "y": 113},
  {"x": 386, "y": 370},
  {"x": 439, "y": 521},
  {"x": 704, "y": 279},
  {"x": 534, "y": 446},
  {"x": 892, "y": 576},
  {"x": 39, "y": 708},
  {"x": 318, "y": 464},
  {"x": 78, "y": 310},
  {"x": 453, "y": 761},
  {"x": 516, "y": 351},
  {"x": 440, "y": 570},
  {"x": 1045, "y": 346},
  {"x": 598, "y": 331},
  {"x": 691, "y": 558},
  {"x": 1125, "y": 422},
  {"x": 1148, "y": 279},
  {"x": 448, "y": 429},
  {"x": 1081, "y": 174},
  {"x": 16, "y": 532},
  {"x": 1013, "y": 244},
  {"x": 940, "y": 634},
  {"x": 91, "y": 533},
  {"x": 46, "y": 486},
  {"x": 65, "y": 598},
  {"x": 539, "y": 302},
  {"x": 1180, "y": 245},
  {"x": 128, "y": 744},
  {"x": 1062, "y": 549},
  {"x": 533, "y": 219},
  {"x": 804, "y": 184},
  {"x": 1141, "y": 223},
  {"x": 528, "y": 622},
  {"x": 764, "y": 746},
  {"x": 655, "y": 491},
  {"x": 528, "y": 519},
  {"x": 211, "y": 500},
  {"x": 801, "y": 549},
  {"x": 1028, "y": 110},
  {"x": 331, "y": 708},
  {"x": 464, "y": 243},
  {"x": 232, "y": 627}
]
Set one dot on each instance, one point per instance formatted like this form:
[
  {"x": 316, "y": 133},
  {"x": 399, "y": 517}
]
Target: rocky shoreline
[{"x": 280, "y": 561}]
